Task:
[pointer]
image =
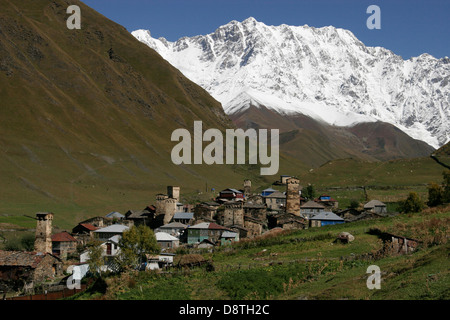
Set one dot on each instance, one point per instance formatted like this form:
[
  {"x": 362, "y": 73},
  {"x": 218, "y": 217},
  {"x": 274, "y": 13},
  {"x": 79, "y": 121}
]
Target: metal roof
[
  {"x": 163, "y": 236},
  {"x": 207, "y": 225},
  {"x": 173, "y": 225},
  {"x": 115, "y": 214},
  {"x": 63, "y": 237},
  {"x": 326, "y": 215},
  {"x": 229, "y": 234},
  {"x": 118, "y": 228},
  {"x": 183, "y": 215}
]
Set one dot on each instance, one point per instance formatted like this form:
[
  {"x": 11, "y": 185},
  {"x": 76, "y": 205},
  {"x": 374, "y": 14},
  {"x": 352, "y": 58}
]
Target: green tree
[
  {"x": 134, "y": 245},
  {"x": 412, "y": 204},
  {"x": 96, "y": 257},
  {"x": 27, "y": 242},
  {"x": 435, "y": 195},
  {"x": 309, "y": 192},
  {"x": 354, "y": 204}
]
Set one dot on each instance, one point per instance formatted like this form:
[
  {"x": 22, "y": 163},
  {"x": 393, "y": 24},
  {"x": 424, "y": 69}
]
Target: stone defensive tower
[
  {"x": 174, "y": 192},
  {"x": 293, "y": 196},
  {"x": 233, "y": 214},
  {"x": 43, "y": 239},
  {"x": 247, "y": 188}
]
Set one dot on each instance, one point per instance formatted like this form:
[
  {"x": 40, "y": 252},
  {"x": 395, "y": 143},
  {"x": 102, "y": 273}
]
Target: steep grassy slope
[{"x": 86, "y": 117}]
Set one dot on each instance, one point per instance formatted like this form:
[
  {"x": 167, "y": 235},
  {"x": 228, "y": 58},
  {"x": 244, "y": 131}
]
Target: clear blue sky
[{"x": 408, "y": 27}]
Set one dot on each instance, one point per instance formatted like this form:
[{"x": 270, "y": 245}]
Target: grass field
[{"x": 308, "y": 264}]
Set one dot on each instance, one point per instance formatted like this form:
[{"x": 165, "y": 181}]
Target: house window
[{"x": 108, "y": 249}]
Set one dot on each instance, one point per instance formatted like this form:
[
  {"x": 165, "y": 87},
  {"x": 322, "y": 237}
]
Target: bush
[{"x": 412, "y": 204}]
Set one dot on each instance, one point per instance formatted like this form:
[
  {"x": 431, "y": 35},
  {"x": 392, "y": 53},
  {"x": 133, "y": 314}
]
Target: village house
[
  {"x": 104, "y": 234},
  {"x": 184, "y": 217},
  {"x": 325, "y": 218},
  {"x": 110, "y": 249},
  {"x": 84, "y": 232},
  {"x": 20, "y": 269},
  {"x": 375, "y": 206},
  {"x": 287, "y": 221},
  {"x": 204, "y": 230},
  {"x": 174, "y": 229},
  {"x": 328, "y": 202},
  {"x": 276, "y": 201},
  {"x": 254, "y": 226},
  {"x": 166, "y": 241},
  {"x": 98, "y": 222},
  {"x": 143, "y": 217},
  {"x": 230, "y": 194},
  {"x": 205, "y": 211},
  {"x": 63, "y": 244},
  {"x": 228, "y": 237},
  {"x": 115, "y": 216},
  {"x": 267, "y": 192},
  {"x": 311, "y": 209}
]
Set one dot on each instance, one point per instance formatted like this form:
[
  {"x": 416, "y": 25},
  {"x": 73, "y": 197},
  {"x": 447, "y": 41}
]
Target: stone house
[
  {"x": 231, "y": 213},
  {"x": 84, "y": 232},
  {"x": 166, "y": 241},
  {"x": 174, "y": 229},
  {"x": 19, "y": 269},
  {"x": 205, "y": 211},
  {"x": 184, "y": 217},
  {"x": 311, "y": 208},
  {"x": 375, "y": 206},
  {"x": 328, "y": 202},
  {"x": 63, "y": 244},
  {"x": 276, "y": 201},
  {"x": 287, "y": 221},
  {"x": 253, "y": 226}
]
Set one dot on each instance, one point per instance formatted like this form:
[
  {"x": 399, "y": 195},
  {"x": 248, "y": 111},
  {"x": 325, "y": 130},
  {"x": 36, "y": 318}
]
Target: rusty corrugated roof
[{"x": 63, "y": 237}]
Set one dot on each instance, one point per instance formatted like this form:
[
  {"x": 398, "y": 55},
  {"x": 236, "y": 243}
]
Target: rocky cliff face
[{"x": 325, "y": 73}]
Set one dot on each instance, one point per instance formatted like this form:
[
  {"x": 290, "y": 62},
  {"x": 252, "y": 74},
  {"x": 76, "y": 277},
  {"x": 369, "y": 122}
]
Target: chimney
[{"x": 43, "y": 239}]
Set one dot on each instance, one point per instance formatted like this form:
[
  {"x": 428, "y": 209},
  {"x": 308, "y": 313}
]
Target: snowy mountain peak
[{"x": 325, "y": 73}]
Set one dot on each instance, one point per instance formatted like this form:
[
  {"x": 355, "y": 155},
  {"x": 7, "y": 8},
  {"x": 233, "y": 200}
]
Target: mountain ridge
[{"x": 325, "y": 73}]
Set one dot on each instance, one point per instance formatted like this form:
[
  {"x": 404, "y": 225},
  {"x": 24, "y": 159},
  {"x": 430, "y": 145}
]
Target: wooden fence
[{"x": 55, "y": 295}]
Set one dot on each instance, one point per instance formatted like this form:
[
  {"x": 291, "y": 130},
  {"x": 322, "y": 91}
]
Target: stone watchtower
[
  {"x": 247, "y": 188},
  {"x": 43, "y": 239},
  {"x": 233, "y": 214},
  {"x": 293, "y": 196},
  {"x": 174, "y": 192}
]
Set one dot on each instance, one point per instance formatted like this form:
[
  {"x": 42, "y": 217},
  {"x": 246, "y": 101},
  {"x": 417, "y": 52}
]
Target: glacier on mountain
[{"x": 325, "y": 73}]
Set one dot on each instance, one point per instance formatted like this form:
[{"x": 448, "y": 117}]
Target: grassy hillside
[
  {"x": 86, "y": 118},
  {"x": 309, "y": 264},
  {"x": 387, "y": 181}
]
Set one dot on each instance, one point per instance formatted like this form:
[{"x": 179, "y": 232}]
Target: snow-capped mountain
[{"x": 325, "y": 73}]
